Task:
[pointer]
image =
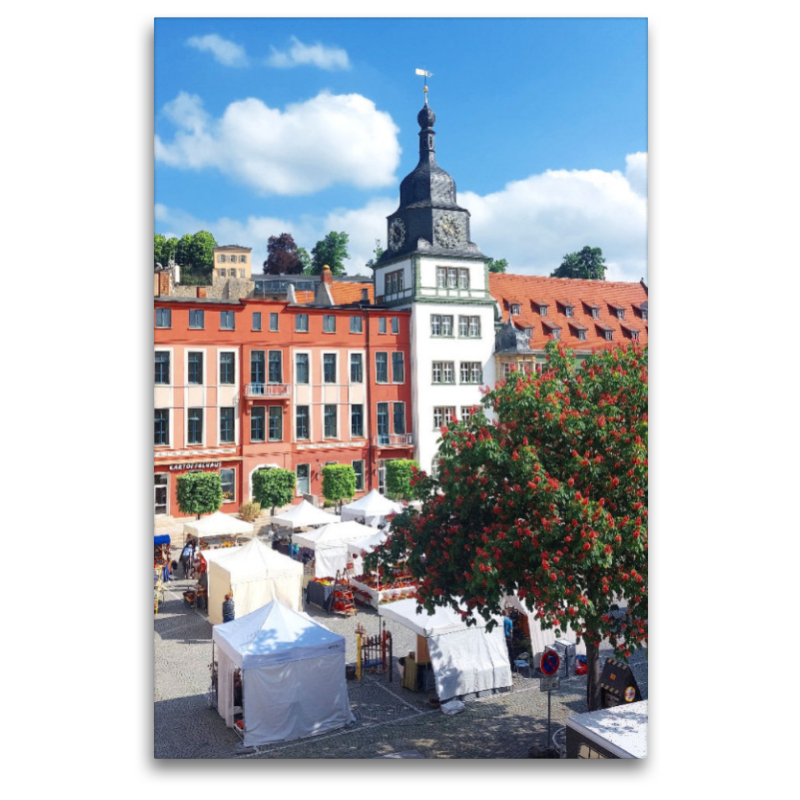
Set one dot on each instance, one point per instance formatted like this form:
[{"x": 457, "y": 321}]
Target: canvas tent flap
[
  {"x": 373, "y": 507},
  {"x": 217, "y": 524},
  {"x": 541, "y": 638},
  {"x": 305, "y": 515},
  {"x": 336, "y": 535},
  {"x": 162, "y": 539},
  {"x": 444, "y": 620}
]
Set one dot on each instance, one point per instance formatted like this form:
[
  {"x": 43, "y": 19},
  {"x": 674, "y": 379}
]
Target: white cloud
[
  {"x": 317, "y": 55},
  {"x": 532, "y": 223},
  {"x": 303, "y": 149},
  {"x": 223, "y": 50}
]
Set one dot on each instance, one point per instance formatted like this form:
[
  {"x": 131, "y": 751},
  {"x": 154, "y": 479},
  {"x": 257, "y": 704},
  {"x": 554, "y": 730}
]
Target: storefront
[{"x": 165, "y": 484}]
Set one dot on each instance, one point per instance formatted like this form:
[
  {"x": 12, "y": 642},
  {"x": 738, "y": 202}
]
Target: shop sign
[{"x": 197, "y": 465}]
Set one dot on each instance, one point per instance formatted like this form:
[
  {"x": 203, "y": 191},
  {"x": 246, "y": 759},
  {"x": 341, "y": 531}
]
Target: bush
[
  {"x": 398, "y": 479},
  {"x": 199, "y": 493},
  {"x": 338, "y": 483},
  {"x": 249, "y": 511},
  {"x": 273, "y": 487}
]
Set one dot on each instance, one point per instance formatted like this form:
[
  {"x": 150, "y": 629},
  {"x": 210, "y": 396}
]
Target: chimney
[
  {"x": 201, "y": 291},
  {"x": 327, "y": 275}
]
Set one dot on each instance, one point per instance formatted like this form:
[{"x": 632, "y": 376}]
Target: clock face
[
  {"x": 448, "y": 230},
  {"x": 397, "y": 234}
]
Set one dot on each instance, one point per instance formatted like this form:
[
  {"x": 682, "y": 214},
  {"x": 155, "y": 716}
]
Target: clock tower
[{"x": 431, "y": 267}]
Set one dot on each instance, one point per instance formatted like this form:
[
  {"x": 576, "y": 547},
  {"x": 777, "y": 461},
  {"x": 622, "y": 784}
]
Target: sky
[{"x": 309, "y": 125}]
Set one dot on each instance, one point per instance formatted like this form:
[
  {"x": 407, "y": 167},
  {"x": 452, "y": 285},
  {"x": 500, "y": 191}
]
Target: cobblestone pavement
[{"x": 389, "y": 719}]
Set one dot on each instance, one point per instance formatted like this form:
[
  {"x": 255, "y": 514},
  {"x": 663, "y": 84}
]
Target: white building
[{"x": 433, "y": 268}]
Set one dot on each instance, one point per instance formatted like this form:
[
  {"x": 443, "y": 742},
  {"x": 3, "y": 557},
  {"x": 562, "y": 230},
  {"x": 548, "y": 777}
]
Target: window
[
  {"x": 508, "y": 368},
  {"x": 222, "y": 258},
  {"x": 393, "y": 282},
  {"x": 223, "y": 273},
  {"x": 609, "y": 336},
  {"x": 443, "y": 372},
  {"x": 441, "y": 278},
  {"x": 195, "y": 419},
  {"x": 515, "y": 309},
  {"x": 242, "y": 259},
  {"x": 257, "y": 373},
  {"x": 356, "y": 325},
  {"x": 196, "y": 369},
  {"x": 382, "y": 325},
  {"x": 399, "y": 416},
  {"x": 328, "y": 323},
  {"x": 256, "y": 320},
  {"x": 162, "y": 426},
  {"x": 582, "y": 334},
  {"x": 329, "y": 367},
  {"x": 228, "y": 479},
  {"x": 436, "y": 376},
  {"x": 226, "y": 321},
  {"x": 227, "y": 424},
  {"x": 382, "y": 419},
  {"x": 162, "y": 367},
  {"x": 258, "y": 423},
  {"x": 304, "y": 479},
  {"x": 301, "y": 323},
  {"x": 620, "y": 313},
  {"x": 227, "y": 368},
  {"x": 161, "y": 488},
  {"x": 471, "y": 372},
  {"x": 443, "y": 415},
  {"x": 635, "y": 336},
  {"x": 436, "y": 325},
  {"x": 275, "y": 424},
  {"x": 395, "y": 325},
  {"x": 447, "y": 326},
  {"x": 452, "y": 278},
  {"x": 556, "y": 333},
  {"x": 398, "y": 368},
  {"x": 330, "y": 422},
  {"x": 568, "y": 311},
  {"x": 595, "y": 312},
  {"x": 301, "y": 422},
  {"x": 475, "y": 327},
  {"x": 275, "y": 366},
  {"x": 273, "y": 320},
  {"x": 301, "y": 368},
  {"x": 463, "y": 326},
  {"x": 163, "y": 318},
  {"x": 466, "y": 413},
  {"x": 358, "y": 468},
  {"x": 357, "y": 420},
  {"x": 382, "y": 367},
  {"x": 463, "y": 279},
  {"x": 542, "y": 310},
  {"x": 356, "y": 368},
  {"x": 197, "y": 318}
]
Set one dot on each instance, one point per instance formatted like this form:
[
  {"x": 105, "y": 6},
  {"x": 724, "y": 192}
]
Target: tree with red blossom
[{"x": 548, "y": 500}]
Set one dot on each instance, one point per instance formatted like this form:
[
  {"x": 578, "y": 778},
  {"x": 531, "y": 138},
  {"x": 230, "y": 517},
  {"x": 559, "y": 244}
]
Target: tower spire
[{"x": 425, "y": 75}]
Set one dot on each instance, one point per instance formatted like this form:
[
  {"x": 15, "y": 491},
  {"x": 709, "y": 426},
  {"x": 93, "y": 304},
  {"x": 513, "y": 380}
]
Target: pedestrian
[
  {"x": 508, "y": 627},
  {"x": 186, "y": 558},
  {"x": 228, "y": 610}
]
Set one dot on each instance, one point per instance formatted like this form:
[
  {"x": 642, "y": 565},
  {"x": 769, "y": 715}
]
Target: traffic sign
[
  {"x": 550, "y": 662},
  {"x": 549, "y": 683}
]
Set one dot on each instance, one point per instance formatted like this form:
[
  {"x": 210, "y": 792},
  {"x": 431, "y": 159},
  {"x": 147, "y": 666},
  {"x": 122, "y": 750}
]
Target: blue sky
[{"x": 308, "y": 125}]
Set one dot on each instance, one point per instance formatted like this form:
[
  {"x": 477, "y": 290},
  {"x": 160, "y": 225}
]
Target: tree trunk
[{"x": 594, "y": 695}]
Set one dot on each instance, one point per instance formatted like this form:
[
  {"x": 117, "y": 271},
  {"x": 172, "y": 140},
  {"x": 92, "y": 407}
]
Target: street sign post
[
  {"x": 549, "y": 682},
  {"x": 550, "y": 662}
]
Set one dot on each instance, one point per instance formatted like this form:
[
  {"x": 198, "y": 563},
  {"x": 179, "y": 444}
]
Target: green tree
[
  {"x": 199, "y": 493},
  {"x": 338, "y": 483},
  {"x": 376, "y": 255},
  {"x": 201, "y": 253},
  {"x": 282, "y": 256},
  {"x": 398, "y": 479},
  {"x": 273, "y": 487},
  {"x": 332, "y": 250},
  {"x": 305, "y": 260},
  {"x": 499, "y": 265},
  {"x": 159, "y": 241},
  {"x": 548, "y": 501},
  {"x": 169, "y": 250},
  {"x": 588, "y": 264}
]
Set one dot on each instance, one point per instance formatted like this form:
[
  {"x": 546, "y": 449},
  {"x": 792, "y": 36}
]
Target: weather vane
[{"x": 425, "y": 75}]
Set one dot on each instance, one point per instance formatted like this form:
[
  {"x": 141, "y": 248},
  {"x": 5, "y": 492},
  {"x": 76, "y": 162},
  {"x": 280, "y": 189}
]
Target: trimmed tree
[
  {"x": 548, "y": 501},
  {"x": 338, "y": 483},
  {"x": 399, "y": 473},
  {"x": 199, "y": 493},
  {"x": 273, "y": 487}
]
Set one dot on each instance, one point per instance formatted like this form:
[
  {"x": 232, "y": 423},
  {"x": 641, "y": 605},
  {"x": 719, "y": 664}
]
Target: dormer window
[
  {"x": 582, "y": 334},
  {"x": 579, "y": 330},
  {"x": 609, "y": 335},
  {"x": 617, "y": 311},
  {"x": 569, "y": 309},
  {"x": 633, "y": 333},
  {"x": 641, "y": 310},
  {"x": 515, "y": 310},
  {"x": 552, "y": 329},
  {"x": 592, "y": 308},
  {"x": 596, "y": 313}
]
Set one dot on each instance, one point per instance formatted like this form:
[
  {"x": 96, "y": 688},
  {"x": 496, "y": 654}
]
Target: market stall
[
  {"x": 255, "y": 575},
  {"x": 372, "y": 509},
  {"x": 161, "y": 555},
  {"x": 292, "y": 676},
  {"x": 465, "y": 660},
  {"x": 330, "y": 545},
  {"x": 217, "y": 529},
  {"x": 539, "y": 638},
  {"x": 304, "y": 515}
]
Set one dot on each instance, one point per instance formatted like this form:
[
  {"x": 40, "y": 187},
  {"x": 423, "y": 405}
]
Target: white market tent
[
  {"x": 465, "y": 659},
  {"x": 330, "y": 545},
  {"x": 217, "y": 524},
  {"x": 373, "y": 507},
  {"x": 293, "y": 675},
  {"x": 255, "y": 574},
  {"x": 540, "y": 638},
  {"x": 305, "y": 515}
]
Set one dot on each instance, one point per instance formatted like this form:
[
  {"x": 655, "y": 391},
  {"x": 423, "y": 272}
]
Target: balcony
[
  {"x": 393, "y": 440},
  {"x": 268, "y": 390}
]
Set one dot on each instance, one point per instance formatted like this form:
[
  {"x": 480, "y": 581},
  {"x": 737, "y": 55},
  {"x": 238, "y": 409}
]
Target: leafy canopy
[
  {"x": 399, "y": 473},
  {"x": 499, "y": 265},
  {"x": 332, "y": 250},
  {"x": 588, "y": 264},
  {"x": 273, "y": 487},
  {"x": 282, "y": 256},
  {"x": 199, "y": 493},
  {"x": 338, "y": 482}
]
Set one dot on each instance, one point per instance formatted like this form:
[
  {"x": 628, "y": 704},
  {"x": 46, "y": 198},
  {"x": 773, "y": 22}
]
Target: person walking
[
  {"x": 228, "y": 609},
  {"x": 186, "y": 558}
]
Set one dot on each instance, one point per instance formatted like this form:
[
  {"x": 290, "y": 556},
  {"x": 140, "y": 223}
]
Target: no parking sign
[{"x": 550, "y": 662}]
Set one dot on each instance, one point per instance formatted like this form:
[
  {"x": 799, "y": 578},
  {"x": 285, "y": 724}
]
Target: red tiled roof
[
  {"x": 535, "y": 289},
  {"x": 343, "y": 293}
]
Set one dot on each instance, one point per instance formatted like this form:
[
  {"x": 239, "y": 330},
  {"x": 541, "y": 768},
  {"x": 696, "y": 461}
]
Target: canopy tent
[
  {"x": 217, "y": 524},
  {"x": 293, "y": 675},
  {"x": 368, "y": 544},
  {"x": 373, "y": 507},
  {"x": 466, "y": 660},
  {"x": 330, "y": 545},
  {"x": 540, "y": 638},
  {"x": 255, "y": 574},
  {"x": 161, "y": 539},
  {"x": 305, "y": 515}
]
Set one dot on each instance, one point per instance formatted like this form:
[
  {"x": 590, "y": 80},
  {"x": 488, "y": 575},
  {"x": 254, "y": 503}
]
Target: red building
[{"x": 296, "y": 380}]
